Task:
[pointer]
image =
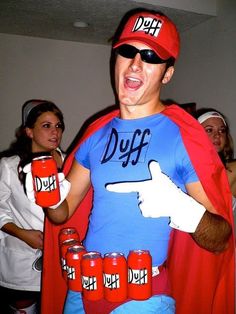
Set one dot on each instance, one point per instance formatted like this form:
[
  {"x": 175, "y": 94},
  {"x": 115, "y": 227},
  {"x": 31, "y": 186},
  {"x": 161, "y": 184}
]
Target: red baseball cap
[{"x": 155, "y": 30}]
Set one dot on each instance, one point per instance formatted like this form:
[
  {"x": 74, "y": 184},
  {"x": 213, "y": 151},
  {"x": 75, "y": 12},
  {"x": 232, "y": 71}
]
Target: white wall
[
  {"x": 76, "y": 76},
  {"x": 73, "y": 75},
  {"x": 197, "y": 6},
  {"x": 206, "y": 70}
]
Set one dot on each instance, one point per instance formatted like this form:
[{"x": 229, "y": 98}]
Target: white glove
[
  {"x": 160, "y": 197},
  {"x": 64, "y": 186}
]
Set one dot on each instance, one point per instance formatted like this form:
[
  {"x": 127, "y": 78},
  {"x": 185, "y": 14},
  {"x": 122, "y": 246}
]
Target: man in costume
[{"x": 156, "y": 184}]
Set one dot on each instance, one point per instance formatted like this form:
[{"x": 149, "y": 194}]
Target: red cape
[{"x": 202, "y": 282}]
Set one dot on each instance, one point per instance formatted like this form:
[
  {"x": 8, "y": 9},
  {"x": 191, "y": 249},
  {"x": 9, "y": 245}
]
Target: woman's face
[
  {"x": 216, "y": 130},
  {"x": 46, "y": 133}
]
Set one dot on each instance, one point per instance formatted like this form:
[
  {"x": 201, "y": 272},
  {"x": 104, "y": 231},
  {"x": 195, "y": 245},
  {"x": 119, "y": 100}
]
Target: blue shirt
[{"x": 120, "y": 152}]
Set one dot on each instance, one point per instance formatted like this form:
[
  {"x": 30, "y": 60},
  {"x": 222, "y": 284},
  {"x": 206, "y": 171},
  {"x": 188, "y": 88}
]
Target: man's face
[{"x": 137, "y": 82}]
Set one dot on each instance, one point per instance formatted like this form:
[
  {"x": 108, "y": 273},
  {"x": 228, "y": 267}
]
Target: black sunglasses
[{"x": 147, "y": 55}]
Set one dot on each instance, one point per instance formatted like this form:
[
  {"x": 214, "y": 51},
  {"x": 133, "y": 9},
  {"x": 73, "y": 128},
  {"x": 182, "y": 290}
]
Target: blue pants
[{"x": 159, "y": 304}]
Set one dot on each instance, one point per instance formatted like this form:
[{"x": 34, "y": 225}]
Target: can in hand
[
  {"x": 45, "y": 181},
  {"x": 73, "y": 261},
  {"x": 92, "y": 276},
  {"x": 63, "y": 250},
  {"x": 115, "y": 275},
  {"x": 67, "y": 234},
  {"x": 139, "y": 275}
]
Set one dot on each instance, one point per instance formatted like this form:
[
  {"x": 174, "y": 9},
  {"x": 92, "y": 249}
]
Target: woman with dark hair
[{"x": 21, "y": 221}]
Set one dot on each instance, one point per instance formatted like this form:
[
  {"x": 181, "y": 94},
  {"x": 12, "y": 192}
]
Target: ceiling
[{"x": 54, "y": 18}]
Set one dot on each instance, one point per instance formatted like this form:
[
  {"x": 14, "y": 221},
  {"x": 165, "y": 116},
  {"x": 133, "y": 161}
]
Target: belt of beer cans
[{"x": 112, "y": 276}]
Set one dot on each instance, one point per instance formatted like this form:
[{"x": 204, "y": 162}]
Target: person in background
[
  {"x": 217, "y": 128},
  {"x": 21, "y": 221},
  {"x": 148, "y": 167}
]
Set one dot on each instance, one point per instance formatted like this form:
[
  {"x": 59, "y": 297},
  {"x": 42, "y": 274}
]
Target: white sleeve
[{"x": 5, "y": 194}]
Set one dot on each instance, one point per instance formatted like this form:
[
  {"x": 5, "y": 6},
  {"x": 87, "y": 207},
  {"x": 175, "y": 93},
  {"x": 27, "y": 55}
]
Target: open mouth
[{"x": 133, "y": 83}]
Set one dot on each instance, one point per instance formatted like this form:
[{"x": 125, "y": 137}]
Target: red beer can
[
  {"x": 63, "y": 250},
  {"x": 45, "y": 181},
  {"x": 92, "y": 276},
  {"x": 67, "y": 234},
  {"x": 139, "y": 275},
  {"x": 115, "y": 275},
  {"x": 73, "y": 261}
]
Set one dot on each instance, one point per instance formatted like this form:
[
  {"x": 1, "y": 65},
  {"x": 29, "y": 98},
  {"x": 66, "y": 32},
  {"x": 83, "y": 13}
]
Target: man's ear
[
  {"x": 168, "y": 75},
  {"x": 29, "y": 132}
]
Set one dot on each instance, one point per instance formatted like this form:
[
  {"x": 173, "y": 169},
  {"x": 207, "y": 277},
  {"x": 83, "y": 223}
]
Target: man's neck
[{"x": 139, "y": 111}]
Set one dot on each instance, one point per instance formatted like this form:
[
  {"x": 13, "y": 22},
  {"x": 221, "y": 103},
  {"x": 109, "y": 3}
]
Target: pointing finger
[{"x": 124, "y": 187}]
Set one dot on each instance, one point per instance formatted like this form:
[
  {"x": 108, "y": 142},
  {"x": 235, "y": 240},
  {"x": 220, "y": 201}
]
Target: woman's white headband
[
  {"x": 210, "y": 114},
  {"x": 30, "y": 105}
]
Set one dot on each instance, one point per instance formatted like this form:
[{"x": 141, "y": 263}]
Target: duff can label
[
  {"x": 139, "y": 275},
  {"x": 45, "y": 181},
  {"x": 63, "y": 251},
  {"x": 73, "y": 261},
  {"x": 115, "y": 276},
  {"x": 92, "y": 276}
]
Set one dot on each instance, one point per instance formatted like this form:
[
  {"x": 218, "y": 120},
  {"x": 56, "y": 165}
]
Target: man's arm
[
  {"x": 213, "y": 231},
  {"x": 79, "y": 177}
]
